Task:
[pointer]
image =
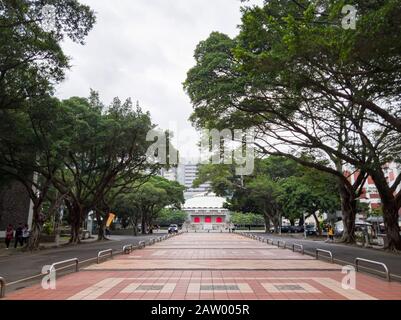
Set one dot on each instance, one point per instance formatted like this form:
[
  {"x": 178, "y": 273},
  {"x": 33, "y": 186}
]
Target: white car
[{"x": 173, "y": 228}]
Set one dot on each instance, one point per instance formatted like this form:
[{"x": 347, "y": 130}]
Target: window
[{"x": 208, "y": 220}]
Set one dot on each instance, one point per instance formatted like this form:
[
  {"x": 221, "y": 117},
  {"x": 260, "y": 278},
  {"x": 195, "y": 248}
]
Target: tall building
[
  {"x": 186, "y": 174},
  {"x": 170, "y": 174}
]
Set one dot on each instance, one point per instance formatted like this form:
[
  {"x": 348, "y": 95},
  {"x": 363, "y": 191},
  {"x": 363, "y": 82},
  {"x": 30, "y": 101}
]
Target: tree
[
  {"x": 168, "y": 216},
  {"x": 290, "y": 75},
  {"x": 31, "y": 59},
  {"x": 31, "y": 151},
  {"x": 309, "y": 193},
  {"x": 107, "y": 153},
  {"x": 152, "y": 197},
  {"x": 31, "y": 63},
  {"x": 248, "y": 219}
]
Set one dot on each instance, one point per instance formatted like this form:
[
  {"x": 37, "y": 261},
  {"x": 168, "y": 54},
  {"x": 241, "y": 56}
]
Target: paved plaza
[{"x": 199, "y": 266}]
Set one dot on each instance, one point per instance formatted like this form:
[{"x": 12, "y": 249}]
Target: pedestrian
[
  {"x": 18, "y": 236},
  {"x": 25, "y": 234},
  {"x": 331, "y": 233},
  {"x": 9, "y": 235}
]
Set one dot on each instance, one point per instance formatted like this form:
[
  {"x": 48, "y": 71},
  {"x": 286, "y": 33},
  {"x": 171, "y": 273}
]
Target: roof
[{"x": 205, "y": 202}]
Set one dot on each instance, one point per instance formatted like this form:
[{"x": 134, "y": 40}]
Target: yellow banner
[{"x": 112, "y": 216}]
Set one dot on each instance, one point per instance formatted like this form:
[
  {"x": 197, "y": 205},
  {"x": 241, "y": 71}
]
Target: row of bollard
[
  {"x": 142, "y": 244},
  {"x": 300, "y": 248}
]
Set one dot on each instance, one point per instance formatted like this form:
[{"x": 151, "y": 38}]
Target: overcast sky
[{"x": 142, "y": 49}]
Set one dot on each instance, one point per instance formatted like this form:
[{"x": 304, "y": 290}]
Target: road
[
  {"x": 21, "y": 266},
  {"x": 345, "y": 253}
]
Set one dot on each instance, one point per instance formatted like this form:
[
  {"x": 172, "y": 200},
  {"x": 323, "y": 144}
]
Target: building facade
[
  {"x": 370, "y": 193},
  {"x": 206, "y": 212},
  {"x": 15, "y": 206}
]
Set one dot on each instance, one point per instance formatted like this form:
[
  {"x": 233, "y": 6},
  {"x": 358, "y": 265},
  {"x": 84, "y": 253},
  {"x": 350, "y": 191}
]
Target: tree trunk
[
  {"x": 37, "y": 227},
  {"x": 319, "y": 228},
  {"x": 134, "y": 223},
  {"x": 267, "y": 224},
  {"x": 348, "y": 208},
  {"x": 276, "y": 223},
  {"x": 143, "y": 224},
  {"x": 76, "y": 223},
  {"x": 391, "y": 218},
  {"x": 390, "y": 210},
  {"x": 301, "y": 221},
  {"x": 102, "y": 227}
]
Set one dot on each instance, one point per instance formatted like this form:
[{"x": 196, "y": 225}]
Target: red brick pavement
[{"x": 213, "y": 267}]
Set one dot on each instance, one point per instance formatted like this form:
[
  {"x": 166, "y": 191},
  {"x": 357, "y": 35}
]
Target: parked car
[
  {"x": 297, "y": 229},
  {"x": 360, "y": 226},
  {"x": 285, "y": 229},
  {"x": 173, "y": 228},
  {"x": 311, "y": 230}
]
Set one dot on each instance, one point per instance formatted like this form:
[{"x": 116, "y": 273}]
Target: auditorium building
[{"x": 206, "y": 212}]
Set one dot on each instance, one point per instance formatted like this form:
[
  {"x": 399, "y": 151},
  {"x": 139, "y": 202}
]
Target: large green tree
[
  {"x": 150, "y": 198},
  {"x": 293, "y": 75},
  {"x": 31, "y": 58}
]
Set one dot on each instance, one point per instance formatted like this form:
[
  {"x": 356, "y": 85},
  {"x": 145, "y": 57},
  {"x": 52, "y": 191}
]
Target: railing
[
  {"x": 54, "y": 265},
  {"x": 128, "y": 249},
  {"x": 104, "y": 253},
  {"x": 324, "y": 251},
  {"x": 299, "y": 246},
  {"x": 283, "y": 242},
  {"x": 2, "y": 287},
  {"x": 357, "y": 260}
]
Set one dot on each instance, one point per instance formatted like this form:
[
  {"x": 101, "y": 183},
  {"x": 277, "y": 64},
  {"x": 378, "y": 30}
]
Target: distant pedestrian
[
  {"x": 108, "y": 233},
  {"x": 18, "y": 236},
  {"x": 25, "y": 234},
  {"x": 9, "y": 235},
  {"x": 331, "y": 234}
]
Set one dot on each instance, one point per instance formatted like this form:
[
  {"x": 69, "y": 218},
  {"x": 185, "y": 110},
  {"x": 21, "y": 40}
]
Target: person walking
[
  {"x": 18, "y": 236},
  {"x": 331, "y": 233},
  {"x": 25, "y": 234},
  {"x": 9, "y": 235}
]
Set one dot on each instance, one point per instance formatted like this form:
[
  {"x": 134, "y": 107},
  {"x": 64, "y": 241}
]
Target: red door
[
  {"x": 219, "y": 220},
  {"x": 208, "y": 220},
  {"x": 197, "y": 220}
]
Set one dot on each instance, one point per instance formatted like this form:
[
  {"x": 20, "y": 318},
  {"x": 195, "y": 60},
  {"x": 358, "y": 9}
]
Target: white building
[
  {"x": 186, "y": 174},
  {"x": 206, "y": 212},
  {"x": 170, "y": 175}
]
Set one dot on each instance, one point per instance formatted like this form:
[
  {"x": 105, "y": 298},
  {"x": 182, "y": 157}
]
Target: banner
[{"x": 112, "y": 216}]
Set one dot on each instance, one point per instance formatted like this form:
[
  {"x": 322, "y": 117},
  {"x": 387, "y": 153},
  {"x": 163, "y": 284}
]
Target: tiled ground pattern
[{"x": 213, "y": 267}]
